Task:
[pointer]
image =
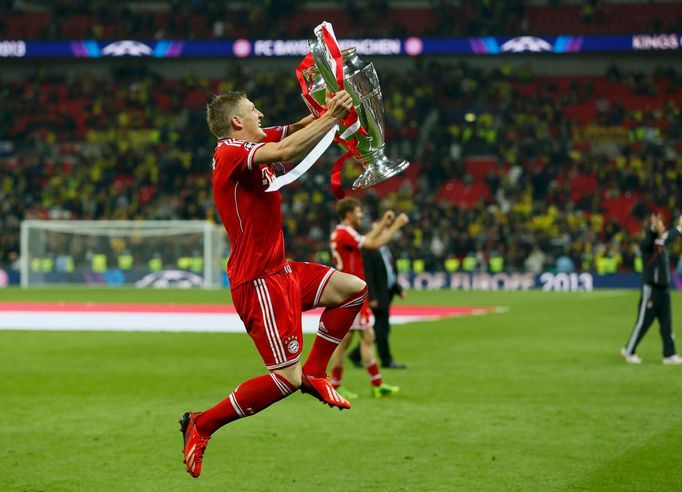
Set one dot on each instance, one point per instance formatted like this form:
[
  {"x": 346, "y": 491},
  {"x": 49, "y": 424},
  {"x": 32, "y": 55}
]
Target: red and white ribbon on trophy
[{"x": 351, "y": 121}]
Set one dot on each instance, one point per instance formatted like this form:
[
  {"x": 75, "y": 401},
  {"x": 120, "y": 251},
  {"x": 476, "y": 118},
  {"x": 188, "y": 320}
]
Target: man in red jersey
[
  {"x": 268, "y": 292},
  {"x": 346, "y": 244}
]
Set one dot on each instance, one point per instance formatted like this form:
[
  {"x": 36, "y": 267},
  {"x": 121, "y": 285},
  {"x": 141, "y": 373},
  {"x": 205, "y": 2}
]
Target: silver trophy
[{"x": 362, "y": 83}]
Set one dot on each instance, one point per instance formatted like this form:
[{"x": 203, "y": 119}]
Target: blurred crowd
[
  {"x": 570, "y": 174},
  {"x": 218, "y": 19}
]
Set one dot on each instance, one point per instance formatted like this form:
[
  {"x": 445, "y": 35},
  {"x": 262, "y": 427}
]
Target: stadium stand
[
  {"x": 203, "y": 19},
  {"x": 514, "y": 160}
]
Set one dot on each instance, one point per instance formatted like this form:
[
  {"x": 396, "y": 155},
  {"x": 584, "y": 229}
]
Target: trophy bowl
[{"x": 362, "y": 83}]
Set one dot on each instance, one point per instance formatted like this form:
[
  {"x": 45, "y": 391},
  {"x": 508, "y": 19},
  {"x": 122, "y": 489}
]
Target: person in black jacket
[
  {"x": 655, "y": 299},
  {"x": 382, "y": 285}
]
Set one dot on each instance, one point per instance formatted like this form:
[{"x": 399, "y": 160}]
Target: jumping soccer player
[
  {"x": 346, "y": 244},
  {"x": 269, "y": 293}
]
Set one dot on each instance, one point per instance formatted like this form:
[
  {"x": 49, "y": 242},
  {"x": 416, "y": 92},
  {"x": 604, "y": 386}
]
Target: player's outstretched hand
[
  {"x": 402, "y": 219},
  {"x": 339, "y": 105},
  {"x": 389, "y": 215}
]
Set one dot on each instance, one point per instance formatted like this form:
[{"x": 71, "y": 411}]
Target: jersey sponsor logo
[{"x": 267, "y": 175}]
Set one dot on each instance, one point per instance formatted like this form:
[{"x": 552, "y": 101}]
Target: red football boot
[
  {"x": 323, "y": 390},
  {"x": 194, "y": 443}
]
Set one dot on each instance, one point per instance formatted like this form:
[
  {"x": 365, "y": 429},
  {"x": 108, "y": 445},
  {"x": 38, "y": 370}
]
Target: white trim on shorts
[
  {"x": 284, "y": 364},
  {"x": 323, "y": 284},
  {"x": 269, "y": 322}
]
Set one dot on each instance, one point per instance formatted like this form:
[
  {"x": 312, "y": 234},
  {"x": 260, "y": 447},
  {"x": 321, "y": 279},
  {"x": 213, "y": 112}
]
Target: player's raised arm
[
  {"x": 300, "y": 124},
  {"x": 379, "y": 226},
  {"x": 386, "y": 233},
  {"x": 294, "y": 145}
]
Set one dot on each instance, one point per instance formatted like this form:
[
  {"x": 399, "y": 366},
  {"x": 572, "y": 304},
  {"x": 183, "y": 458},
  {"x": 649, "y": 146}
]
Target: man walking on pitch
[
  {"x": 346, "y": 245},
  {"x": 654, "y": 301},
  {"x": 382, "y": 286},
  {"x": 268, "y": 292}
]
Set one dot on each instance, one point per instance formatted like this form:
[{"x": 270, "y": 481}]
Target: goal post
[{"x": 146, "y": 253}]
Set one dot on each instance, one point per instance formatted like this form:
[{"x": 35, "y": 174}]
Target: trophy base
[{"x": 379, "y": 171}]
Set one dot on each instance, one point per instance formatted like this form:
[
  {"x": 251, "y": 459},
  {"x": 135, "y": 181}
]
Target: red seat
[
  {"x": 465, "y": 196},
  {"x": 480, "y": 167}
]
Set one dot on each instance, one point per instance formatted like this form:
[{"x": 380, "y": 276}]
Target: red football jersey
[
  {"x": 252, "y": 217},
  {"x": 345, "y": 245}
]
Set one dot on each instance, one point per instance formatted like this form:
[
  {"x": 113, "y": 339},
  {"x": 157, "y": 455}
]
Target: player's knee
[
  {"x": 341, "y": 287},
  {"x": 354, "y": 287},
  {"x": 362, "y": 286},
  {"x": 350, "y": 286}
]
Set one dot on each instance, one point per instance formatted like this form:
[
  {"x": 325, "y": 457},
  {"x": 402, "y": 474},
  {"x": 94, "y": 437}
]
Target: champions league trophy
[{"x": 364, "y": 138}]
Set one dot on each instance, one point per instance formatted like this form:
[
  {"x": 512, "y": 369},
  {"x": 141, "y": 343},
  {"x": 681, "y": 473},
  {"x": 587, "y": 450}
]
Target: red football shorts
[
  {"x": 271, "y": 308},
  {"x": 363, "y": 319}
]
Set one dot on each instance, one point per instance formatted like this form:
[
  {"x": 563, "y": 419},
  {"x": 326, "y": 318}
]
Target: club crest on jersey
[
  {"x": 267, "y": 175},
  {"x": 292, "y": 345}
]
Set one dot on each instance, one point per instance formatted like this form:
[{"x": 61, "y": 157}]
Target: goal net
[{"x": 174, "y": 253}]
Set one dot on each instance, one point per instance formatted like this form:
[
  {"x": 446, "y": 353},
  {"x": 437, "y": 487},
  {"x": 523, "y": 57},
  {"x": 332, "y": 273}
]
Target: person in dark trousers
[
  {"x": 382, "y": 285},
  {"x": 654, "y": 302}
]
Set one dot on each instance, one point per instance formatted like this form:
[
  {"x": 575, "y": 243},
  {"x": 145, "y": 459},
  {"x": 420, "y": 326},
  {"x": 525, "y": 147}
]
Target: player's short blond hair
[{"x": 221, "y": 109}]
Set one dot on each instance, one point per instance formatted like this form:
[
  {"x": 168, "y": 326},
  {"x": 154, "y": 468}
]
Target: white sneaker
[
  {"x": 634, "y": 358},
  {"x": 673, "y": 360}
]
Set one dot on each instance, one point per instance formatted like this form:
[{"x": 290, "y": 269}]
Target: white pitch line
[{"x": 149, "y": 322}]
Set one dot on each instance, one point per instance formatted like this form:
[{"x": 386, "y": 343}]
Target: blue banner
[{"x": 242, "y": 48}]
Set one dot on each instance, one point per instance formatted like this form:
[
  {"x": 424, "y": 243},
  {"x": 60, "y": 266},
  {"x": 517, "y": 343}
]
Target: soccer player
[
  {"x": 346, "y": 245},
  {"x": 269, "y": 292}
]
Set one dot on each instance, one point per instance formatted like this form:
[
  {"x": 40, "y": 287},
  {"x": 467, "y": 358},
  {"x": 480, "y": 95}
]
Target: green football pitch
[{"x": 534, "y": 398}]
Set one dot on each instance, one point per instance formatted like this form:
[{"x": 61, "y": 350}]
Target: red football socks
[
  {"x": 334, "y": 324},
  {"x": 374, "y": 374},
  {"x": 247, "y": 399}
]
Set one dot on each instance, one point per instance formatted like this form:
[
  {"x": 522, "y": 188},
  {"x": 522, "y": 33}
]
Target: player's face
[
  {"x": 251, "y": 119},
  {"x": 356, "y": 217}
]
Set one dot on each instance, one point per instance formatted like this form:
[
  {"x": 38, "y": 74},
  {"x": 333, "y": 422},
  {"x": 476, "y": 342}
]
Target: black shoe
[{"x": 394, "y": 365}]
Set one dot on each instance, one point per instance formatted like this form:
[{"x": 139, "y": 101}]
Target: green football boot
[{"x": 384, "y": 390}]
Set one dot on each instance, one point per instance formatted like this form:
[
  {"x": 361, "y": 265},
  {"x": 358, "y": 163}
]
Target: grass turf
[{"x": 536, "y": 398}]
